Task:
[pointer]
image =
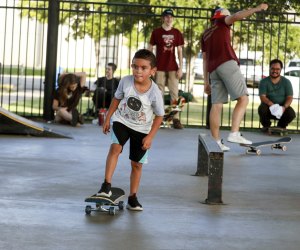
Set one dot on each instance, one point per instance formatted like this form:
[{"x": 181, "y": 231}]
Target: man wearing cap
[
  {"x": 222, "y": 75},
  {"x": 166, "y": 39}
]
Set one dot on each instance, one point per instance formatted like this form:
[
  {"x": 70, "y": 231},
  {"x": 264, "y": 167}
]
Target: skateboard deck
[
  {"x": 276, "y": 144},
  {"x": 106, "y": 204},
  {"x": 277, "y": 131}
]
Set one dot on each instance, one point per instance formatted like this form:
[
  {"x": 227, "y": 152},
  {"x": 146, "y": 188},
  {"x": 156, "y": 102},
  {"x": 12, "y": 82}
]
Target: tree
[{"x": 136, "y": 19}]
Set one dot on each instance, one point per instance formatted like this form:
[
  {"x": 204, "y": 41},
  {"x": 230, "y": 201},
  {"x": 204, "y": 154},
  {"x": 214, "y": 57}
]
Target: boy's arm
[
  {"x": 147, "y": 141},
  {"x": 112, "y": 108}
]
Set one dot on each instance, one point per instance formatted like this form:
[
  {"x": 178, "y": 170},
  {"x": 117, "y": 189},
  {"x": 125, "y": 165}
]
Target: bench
[{"x": 210, "y": 163}]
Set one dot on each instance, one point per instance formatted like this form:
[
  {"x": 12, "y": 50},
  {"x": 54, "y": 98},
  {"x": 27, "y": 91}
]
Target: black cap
[{"x": 167, "y": 12}]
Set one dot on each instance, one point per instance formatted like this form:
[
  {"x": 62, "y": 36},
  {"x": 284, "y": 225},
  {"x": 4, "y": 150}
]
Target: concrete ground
[{"x": 44, "y": 181}]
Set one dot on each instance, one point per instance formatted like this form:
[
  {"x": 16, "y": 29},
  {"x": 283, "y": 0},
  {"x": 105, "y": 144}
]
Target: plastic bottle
[{"x": 101, "y": 116}]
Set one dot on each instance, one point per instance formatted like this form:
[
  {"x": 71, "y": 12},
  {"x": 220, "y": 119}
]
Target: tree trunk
[
  {"x": 97, "y": 53},
  {"x": 190, "y": 75}
]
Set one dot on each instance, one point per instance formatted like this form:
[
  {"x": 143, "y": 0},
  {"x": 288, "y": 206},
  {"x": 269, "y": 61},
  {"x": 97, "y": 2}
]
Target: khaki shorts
[
  {"x": 170, "y": 80},
  {"x": 226, "y": 80}
]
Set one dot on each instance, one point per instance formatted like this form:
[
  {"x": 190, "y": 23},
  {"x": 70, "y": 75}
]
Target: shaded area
[{"x": 44, "y": 183}]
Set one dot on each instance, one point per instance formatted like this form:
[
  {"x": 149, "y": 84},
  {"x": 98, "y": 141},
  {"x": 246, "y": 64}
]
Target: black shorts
[{"x": 122, "y": 133}]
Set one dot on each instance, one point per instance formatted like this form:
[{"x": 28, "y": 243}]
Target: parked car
[
  {"x": 292, "y": 71},
  {"x": 252, "y": 73},
  {"x": 198, "y": 66},
  {"x": 293, "y": 74},
  {"x": 293, "y": 63}
]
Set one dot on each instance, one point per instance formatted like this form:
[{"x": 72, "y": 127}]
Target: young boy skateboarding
[{"x": 131, "y": 112}]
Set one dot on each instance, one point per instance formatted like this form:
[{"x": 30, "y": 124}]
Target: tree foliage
[{"x": 269, "y": 32}]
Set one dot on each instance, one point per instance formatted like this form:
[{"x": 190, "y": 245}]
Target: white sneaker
[
  {"x": 236, "y": 137},
  {"x": 222, "y": 146}
]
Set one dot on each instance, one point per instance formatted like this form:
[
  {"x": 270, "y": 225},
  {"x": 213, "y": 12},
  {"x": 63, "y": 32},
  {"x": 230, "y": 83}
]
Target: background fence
[{"x": 41, "y": 38}]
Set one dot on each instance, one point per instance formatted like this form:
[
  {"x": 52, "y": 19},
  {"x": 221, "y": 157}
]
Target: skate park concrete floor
[{"x": 44, "y": 181}]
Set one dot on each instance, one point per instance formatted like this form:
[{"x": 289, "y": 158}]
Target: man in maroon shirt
[
  {"x": 222, "y": 75},
  {"x": 166, "y": 39}
]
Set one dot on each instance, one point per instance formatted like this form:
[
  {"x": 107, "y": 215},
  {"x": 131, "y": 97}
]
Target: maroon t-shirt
[
  {"x": 166, "y": 42},
  {"x": 216, "y": 43}
]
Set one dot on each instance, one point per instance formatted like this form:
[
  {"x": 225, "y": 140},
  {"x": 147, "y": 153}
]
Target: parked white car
[
  {"x": 198, "y": 69},
  {"x": 293, "y": 74},
  {"x": 198, "y": 66},
  {"x": 252, "y": 73},
  {"x": 293, "y": 63}
]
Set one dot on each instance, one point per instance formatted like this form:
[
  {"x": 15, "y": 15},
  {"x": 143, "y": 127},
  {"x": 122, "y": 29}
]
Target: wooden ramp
[{"x": 11, "y": 123}]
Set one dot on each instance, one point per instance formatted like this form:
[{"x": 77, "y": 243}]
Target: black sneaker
[
  {"x": 81, "y": 119},
  {"x": 133, "y": 204},
  {"x": 177, "y": 124},
  {"x": 105, "y": 190}
]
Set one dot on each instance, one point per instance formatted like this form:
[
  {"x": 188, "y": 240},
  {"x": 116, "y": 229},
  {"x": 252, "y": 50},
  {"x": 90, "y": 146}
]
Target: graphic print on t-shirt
[
  {"x": 133, "y": 110},
  {"x": 169, "y": 41}
]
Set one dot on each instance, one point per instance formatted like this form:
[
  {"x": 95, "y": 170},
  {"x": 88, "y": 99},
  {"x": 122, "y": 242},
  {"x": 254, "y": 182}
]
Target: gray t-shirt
[{"x": 136, "y": 109}]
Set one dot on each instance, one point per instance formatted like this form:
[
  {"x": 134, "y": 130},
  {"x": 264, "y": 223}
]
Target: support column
[{"x": 51, "y": 57}]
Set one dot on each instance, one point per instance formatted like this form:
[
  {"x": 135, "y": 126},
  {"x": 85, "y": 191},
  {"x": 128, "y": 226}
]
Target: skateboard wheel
[
  {"x": 250, "y": 151},
  {"x": 258, "y": 152},
  {"x": 121, "y": 205},
  {"x": 88, "y": 210},
  {"x": 284, "y": 148},
  {"x": 112, "y": 211}
]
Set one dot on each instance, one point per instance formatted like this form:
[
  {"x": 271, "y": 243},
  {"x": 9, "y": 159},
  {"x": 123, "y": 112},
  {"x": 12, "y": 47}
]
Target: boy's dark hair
[
  {"x": 113, "y": 66},
  {"x": 147, "y": 55},
  {"x": 276, "y": 61}
]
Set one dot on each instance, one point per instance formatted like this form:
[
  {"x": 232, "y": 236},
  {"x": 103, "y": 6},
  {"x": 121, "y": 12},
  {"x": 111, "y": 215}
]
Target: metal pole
[
  {"x": 51, "y": 57},
  {"x": 208, "y": 108},
  {"x": 215, "y": 179}
]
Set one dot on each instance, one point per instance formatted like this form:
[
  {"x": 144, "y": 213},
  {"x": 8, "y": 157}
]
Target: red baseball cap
[{"x": 219, "y": 13}]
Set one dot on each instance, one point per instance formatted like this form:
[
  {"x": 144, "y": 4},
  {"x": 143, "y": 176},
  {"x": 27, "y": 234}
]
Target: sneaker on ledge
[
  {"x": 236, "y": 137},
  {"x": 223, "y": 147}
]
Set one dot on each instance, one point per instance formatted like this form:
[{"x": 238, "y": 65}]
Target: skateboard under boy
[
  {"x": 275, "y": 144},
  {"x": 277, "y": 131},
  {"x": 106, "y": 204}
]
